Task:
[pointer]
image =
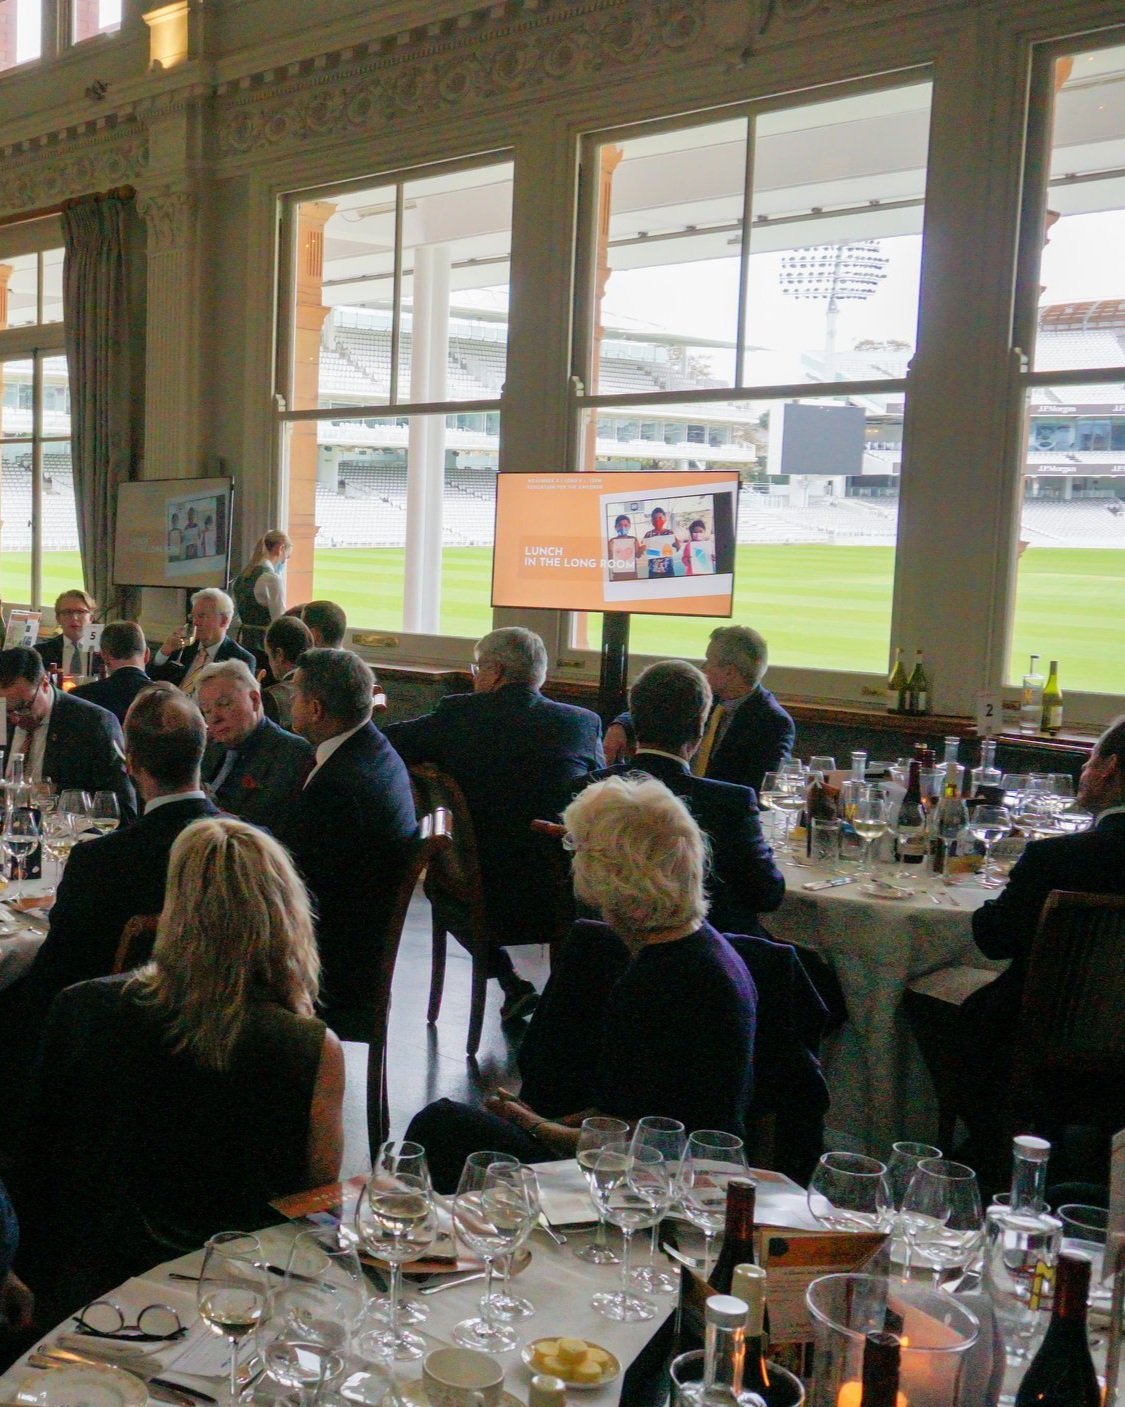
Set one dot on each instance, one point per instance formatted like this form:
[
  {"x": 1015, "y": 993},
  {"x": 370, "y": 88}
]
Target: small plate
[
  {"x": 611, "y": 1372},
  {"x": 413, "y": 1390},
  {"x": 91, "y": 1386},
  {"x": 885, "y": 891}
]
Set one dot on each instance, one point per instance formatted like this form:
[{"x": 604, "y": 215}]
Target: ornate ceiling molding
[
  {"x": 36, "y": 175},
  {"x": 451, "y": 67}
]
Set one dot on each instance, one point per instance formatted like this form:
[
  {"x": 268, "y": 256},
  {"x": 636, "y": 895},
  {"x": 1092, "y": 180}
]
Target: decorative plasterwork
[
  {"x": 449, "y": 69},
  {"x": 171, "y": 218},
  {"x": 39, "y": 175}
]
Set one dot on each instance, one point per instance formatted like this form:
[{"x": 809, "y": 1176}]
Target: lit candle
[{"x": 851, "y": 1395}]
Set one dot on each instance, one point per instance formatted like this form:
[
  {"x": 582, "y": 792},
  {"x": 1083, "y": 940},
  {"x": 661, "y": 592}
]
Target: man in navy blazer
[
  {"x": 348, "y": 830},
  {"x": 516, "y": 755},
  {"x": 748, "y": 733},
  {"x": 74, "y": 610},
  {"x": 75, "y": 743},
  {"x": 110, "y": 880},
  {"x": 1092, "y": 861},
  {"x": 669, "y": 704},
  {"x": 252, "y": 768},
  {"x": 125, "y": 654},
  {"x": 212, "y": 611}
]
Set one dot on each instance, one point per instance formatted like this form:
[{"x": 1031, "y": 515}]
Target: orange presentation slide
[{"x": 657, "y": 543}]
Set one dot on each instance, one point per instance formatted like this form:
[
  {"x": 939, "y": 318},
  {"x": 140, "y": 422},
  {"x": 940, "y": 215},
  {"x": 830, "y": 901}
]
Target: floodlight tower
[{"x": 834, "y": 274}]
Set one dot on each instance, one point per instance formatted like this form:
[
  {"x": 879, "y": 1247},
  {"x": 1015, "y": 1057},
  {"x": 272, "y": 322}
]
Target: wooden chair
[
  {"x": 135, "y": 945},
  {"x": 435, "y": 835},
  {"x": 1068, "y": 1065},
  {"x": 456, "y": 894}
]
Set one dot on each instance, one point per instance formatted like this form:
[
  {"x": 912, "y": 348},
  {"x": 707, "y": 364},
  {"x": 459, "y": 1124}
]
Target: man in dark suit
[
  {"x": 110, "y": 880},
  {"x": 179, "y": 663},
  {"x": 75, "y": 743},
  {"x": 326, "y": 622},
  {"x": 516, "y": 755},
  {"x": 348, "y": 830},
  {"x": 669, "y": 704},
  {"x": 74, "y": 610},
  {"x": 748, "y": 733},
  {"x": 125, "y": 654},
  {"x": 252, "y": 768},
  {"x": 1092, "y": 861}
]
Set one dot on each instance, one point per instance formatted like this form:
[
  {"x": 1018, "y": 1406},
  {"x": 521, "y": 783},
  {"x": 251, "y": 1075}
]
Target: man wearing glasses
[
  {"x": 74, "y": 610},
  {"x": 74, "y": 743}
]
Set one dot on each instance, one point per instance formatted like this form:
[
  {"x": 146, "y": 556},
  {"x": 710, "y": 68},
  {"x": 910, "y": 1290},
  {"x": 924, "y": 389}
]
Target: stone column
[
  {"x": 308, "y": 323},
  {"x": 173, "y": 416}
]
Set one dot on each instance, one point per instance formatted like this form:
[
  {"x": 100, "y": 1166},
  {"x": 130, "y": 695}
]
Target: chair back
[
  {"x": 1069, "y": 1055},
  {"x": 134, "y": 947},
  {"x": 453, "y": 877},
  {"x": 433, "y": 838}
]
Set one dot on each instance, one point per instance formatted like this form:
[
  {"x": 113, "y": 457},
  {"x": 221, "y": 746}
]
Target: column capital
[{"x": 171, "y": 216}]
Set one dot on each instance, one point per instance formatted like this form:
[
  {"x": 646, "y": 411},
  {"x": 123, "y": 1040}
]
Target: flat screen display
[
  {"x": 639, "y": 542},
  {"x": 173, "y": 532}
]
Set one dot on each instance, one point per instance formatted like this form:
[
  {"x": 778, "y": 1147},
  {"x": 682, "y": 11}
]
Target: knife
[{"x": 176, "y": 1393}]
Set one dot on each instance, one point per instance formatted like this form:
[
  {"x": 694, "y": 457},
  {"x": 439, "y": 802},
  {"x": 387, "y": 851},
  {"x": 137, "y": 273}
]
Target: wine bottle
[
  {"x": 1052, "y": 701},
  {"x": 1062, "y": 1373},
  {"x": 987, "y": 774},
  {"x": 910, "y": 827},
  {"x": 750, "y": 1286},
  {"x": 918, "y": 687},
  {"x": 1031, "y": 698},
  {"x": 820, "y": 805},
  {"x": 951, "y": 747},
  {"x": 738, "y": 1235},
  {"x": 882, "y": 1356},
  {"x": 896, "y": 685},
  {"x": 949, "y": 818}
]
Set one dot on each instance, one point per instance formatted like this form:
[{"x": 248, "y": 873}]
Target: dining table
[
  {"x": 22, "y": 930},
  {"x": 877, "y": 938},
  {"x": 558, "y": 1284}
]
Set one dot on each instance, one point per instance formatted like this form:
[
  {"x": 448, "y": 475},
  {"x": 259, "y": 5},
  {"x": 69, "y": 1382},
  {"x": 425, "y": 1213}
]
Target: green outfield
[{"x": 816, "y": 604}]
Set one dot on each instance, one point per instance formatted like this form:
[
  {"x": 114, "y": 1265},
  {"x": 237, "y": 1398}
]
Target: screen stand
[{"x": 614, "y": 677}]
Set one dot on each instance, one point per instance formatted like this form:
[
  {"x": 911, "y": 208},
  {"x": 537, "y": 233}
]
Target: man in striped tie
[{"x": 181, "y": 663}]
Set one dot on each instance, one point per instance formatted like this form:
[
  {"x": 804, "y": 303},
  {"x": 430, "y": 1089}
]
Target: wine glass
[
  {"x": 394, "y": 1156},
  {"x": 669, "y": 1139},
  {"x": 822, "y": 762},
  {"x": 1060, "y": 789},
  {"x": 105, "y": 812},
  {"x": 988, "y": 824},
  {"x": 595, "y": 1134},
  {"x": 505, "y": 1305},
  {"x": 493, "y": 1221},
  {"x": 58, "y": 838},
  {"x": 904, "y": 1159},
  {"x": 850, "y": 1192},
  {"x": 711, "y": 1158},
  {"x": 633, "y": 1190},
  {"x": 314, "y": 1315},
  {"x": 20, "y": 837},
  {"x": 869, "y": 819},
  {"x": 76, "y": 806},
  {"x": 789, "y": 800},
  {"x": 233, "y": 1294},
  {"x": 942, "y": 1215},
  {"x": 397, "y": 1221}
]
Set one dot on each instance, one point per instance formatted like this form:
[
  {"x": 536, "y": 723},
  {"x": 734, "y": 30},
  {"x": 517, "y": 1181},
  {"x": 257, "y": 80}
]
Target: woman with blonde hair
[
  {"x": 649, "y": 1012},
  {"x": 179, "y": 1100},
  {"x": 257, "y": 590}
]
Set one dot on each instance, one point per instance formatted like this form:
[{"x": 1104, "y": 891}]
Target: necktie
[
  {"x": 224, "y": 771},
  {"x": 191, "y": 678},
  {"x": 710, "y": 738}
]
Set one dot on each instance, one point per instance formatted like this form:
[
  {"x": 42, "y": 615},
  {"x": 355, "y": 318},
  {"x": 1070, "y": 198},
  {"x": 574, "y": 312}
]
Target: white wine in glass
[
  {"x": 105, "y": 812},
  {"x": 234, "y": 1292}
]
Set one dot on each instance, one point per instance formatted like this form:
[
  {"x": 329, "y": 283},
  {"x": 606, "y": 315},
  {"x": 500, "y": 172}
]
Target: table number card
[{"x": 990, "y": 712}]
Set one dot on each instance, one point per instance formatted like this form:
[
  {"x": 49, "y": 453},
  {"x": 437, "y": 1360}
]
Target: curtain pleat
[{"x": 98, "y": 354}]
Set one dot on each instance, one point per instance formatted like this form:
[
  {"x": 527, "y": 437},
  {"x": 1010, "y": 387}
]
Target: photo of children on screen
[{"x": 673, "y": 541}]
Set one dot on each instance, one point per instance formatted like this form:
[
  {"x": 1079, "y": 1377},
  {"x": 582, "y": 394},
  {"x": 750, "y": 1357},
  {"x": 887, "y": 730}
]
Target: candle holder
[{"x": 936, "y": 1334}]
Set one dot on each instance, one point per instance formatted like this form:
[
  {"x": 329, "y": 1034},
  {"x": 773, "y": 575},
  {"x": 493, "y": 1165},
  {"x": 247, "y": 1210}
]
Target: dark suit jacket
[
  {"x": 266, "y": 777},
  {"x": 51, "y": 651},
  {"x": 85, "y": 751},
  {"x": 106, "y": 883},
  {"x": 176, "y": 668},
  {"x": 116, "y": 691},
  {"x": 744, "y": 879},
  {"x": 516, "y": 755},
  {"x": 758, "y": 740},
  {"x": 1091, "y": 862},
  {"x": 348, "y": 831}
]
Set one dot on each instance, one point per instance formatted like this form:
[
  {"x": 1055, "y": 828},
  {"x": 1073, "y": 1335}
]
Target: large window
[
  {"x": 749, "y": 296},
  {"x": 38, "y": 519},
  {"x": 23, "y": 24},
  {"x": 1071, "y": 569},
  {"x": 395, "y": 354}
]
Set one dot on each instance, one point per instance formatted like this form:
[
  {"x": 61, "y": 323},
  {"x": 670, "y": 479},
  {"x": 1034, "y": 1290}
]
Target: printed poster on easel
[{"x": 22, "y": 629}]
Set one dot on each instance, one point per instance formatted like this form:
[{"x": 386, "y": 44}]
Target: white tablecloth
[
  {"x": 21, "y": 934},
  {"x": 879, "y": 1086}
]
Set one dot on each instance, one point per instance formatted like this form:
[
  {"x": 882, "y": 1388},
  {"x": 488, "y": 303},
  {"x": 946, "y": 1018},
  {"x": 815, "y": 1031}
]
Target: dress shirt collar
[
  {"x": 36, "y": 746},
  {"x": 158, "y": 801},
  {"x": 659, "y": 752},
  {"x": 326, "y": 749},
  {"x": 732, "y": 704},
  {"x": 1118, "y": 810}
]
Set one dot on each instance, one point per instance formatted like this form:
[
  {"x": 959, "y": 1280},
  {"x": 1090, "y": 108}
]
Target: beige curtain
[{"x": 98, "y": 354}]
